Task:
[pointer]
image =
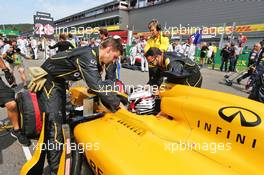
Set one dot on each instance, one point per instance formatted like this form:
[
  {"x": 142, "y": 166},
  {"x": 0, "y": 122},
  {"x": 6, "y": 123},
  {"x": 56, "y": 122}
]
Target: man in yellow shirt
[{"x": 159, "y": 41}]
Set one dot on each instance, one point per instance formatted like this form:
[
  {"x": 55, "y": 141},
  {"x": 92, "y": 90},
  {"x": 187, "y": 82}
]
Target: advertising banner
[{"x": 43, "y": 25}]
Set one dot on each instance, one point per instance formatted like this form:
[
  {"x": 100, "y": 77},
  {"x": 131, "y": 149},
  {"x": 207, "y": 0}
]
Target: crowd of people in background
[
  {"x": 32, "y": 47},
  {"x": 233, "y": 52},
  {"x": 35, "y": 48},
  {"x": 208, "y": 51}
]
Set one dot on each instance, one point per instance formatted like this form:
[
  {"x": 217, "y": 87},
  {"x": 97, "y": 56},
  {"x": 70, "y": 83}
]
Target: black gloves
[{"x": 9, "y": 77}]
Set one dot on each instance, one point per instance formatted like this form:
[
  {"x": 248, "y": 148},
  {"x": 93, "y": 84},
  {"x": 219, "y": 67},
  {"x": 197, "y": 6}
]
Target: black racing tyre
[
  {"x": 85, "y": 168},
  {"x": 80, "y": 165}
]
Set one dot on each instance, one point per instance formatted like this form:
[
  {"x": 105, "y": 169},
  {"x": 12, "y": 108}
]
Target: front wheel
[{"x": 80, "y": 165}]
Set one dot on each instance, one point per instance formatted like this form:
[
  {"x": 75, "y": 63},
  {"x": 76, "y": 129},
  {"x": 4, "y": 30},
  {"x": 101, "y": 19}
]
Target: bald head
[{"x": 257, "y": 47}]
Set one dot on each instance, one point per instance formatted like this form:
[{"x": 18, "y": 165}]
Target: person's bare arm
[
  {"x": 2, "y": 64},
  {"x": 9, "y": 77}
]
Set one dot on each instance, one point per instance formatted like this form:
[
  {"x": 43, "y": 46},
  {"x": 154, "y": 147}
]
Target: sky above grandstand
[{"x": 15, "y": 12}]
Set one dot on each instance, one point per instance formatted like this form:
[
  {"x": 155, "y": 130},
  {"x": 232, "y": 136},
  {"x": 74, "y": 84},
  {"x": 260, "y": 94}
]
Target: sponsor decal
[
  {"x": 227, "y": 133},
  {"x": 247, "y": 117},
  {"x": 231, "y": 114},
  {"x": 92, "y": 61},
  {"x": 43, "y": 25},
  {"x": 77, "y": 74}
]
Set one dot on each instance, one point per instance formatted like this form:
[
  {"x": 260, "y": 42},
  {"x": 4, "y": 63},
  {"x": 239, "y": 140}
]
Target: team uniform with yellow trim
[
  {"x": 257, "y": 92},
  {"x": 80, "y": 63},
  {"x": 161, "y": 42},
  {"x": 179, "y": 70}
]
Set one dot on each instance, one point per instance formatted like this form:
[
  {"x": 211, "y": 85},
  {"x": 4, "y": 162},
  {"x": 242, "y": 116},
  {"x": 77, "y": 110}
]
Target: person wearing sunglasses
[{"x": 178, "y": 68}]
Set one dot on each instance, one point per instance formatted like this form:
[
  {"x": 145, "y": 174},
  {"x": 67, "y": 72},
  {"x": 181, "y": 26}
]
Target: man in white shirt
[
  {"x": 175, "y": 47},
  {"x": 34, "y": 47},
  {"x": 141, "y": 45},
  {"x": 3, "y": 49},
  {"x": 238, "y": 51},
  {"x": 22, "y": 45},
  {"x": 210, "y": 51},
  {"x": 52, "y": 52},
  {"x": 133, "y": 53},
  {"x": 140, "y": 53},
  {"x": 188, "y": 49}
]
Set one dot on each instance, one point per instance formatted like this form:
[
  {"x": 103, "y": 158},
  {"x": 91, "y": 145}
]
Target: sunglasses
[{"x": 152, "y": 61}]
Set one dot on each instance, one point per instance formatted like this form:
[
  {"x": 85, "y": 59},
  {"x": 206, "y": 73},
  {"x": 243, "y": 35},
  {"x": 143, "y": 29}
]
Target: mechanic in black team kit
[{"x": 82, "y": 63}]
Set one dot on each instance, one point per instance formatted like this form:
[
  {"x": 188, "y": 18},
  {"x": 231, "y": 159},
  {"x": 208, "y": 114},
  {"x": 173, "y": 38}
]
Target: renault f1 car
[{"x": 197, "y": 132}]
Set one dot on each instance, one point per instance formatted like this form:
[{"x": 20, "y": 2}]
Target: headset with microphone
[{"x": 155, "y": 22}]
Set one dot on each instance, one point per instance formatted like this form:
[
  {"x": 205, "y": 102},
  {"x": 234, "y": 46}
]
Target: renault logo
[
  {"x": 76, "y": 74},
  {"x": 247, "y": 118}
]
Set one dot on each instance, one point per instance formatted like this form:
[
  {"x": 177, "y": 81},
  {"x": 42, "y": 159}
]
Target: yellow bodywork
[
  {"x": 78, "y": 94},
  {"x": 35, "y": 165},
  {"x": 205, "y": 133}
]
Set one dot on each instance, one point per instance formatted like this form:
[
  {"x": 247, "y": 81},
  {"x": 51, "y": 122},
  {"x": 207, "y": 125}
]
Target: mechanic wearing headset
[{"x": 159, "y": 41}]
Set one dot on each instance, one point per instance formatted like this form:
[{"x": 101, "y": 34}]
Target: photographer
[
  {"x": 14, "y": 58},
  {"x": 7, "y": 100}
]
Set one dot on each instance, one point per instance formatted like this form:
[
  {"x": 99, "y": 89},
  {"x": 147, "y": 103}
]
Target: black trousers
[
  {"x": 6, "y": 93},
  {"x": 248, "y": 74},
  {"x": 257, "y": 93},
  {"x": 52, "y": 100},
  {"x": 224, "y": 63},
  {"x": 232, "y": 64}
]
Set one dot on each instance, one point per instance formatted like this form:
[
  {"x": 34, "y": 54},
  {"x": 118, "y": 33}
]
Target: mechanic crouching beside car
[{"x": 178, "y": 68}]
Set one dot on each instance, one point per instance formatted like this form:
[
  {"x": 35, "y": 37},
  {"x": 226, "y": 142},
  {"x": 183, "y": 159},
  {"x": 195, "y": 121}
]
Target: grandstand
[{"x": 122, "y": 15}]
